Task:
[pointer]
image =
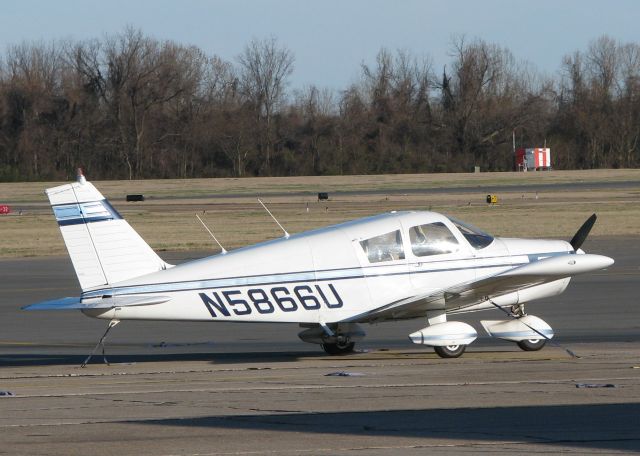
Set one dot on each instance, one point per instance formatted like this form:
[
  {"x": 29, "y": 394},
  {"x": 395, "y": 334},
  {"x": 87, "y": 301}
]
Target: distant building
[{"x": 535, "y": 159}]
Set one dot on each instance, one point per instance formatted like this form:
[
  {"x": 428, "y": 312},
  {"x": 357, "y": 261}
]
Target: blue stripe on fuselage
[{"x": 316, "y": 276}]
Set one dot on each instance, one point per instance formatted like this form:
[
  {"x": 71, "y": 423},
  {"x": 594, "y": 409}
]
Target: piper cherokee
[{"x": 397, "y": 265}]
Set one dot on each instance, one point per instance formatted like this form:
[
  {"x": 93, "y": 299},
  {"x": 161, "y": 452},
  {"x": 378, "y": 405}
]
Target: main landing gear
[
  {"x": 529, "y": 332},
  {"x": 450, "y": 351},
  {"x": 339, "y": 348},
  {"x": 449, "y": 339},
  {"x": 335, "y": 338},
  {"x": 531, "y": 345}
]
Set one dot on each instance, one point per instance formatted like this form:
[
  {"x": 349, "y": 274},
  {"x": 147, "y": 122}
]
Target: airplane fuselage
[
  {"x": 297, "y": 279},
  {"x": 398, "y": 265}
]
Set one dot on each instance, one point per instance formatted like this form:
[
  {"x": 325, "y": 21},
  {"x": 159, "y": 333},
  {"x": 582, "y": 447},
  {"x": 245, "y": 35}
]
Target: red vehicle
[{"x": 4, "y": 209}]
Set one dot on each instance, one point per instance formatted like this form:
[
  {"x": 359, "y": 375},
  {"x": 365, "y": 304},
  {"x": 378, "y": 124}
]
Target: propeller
[{"x": 583, "y": 232}]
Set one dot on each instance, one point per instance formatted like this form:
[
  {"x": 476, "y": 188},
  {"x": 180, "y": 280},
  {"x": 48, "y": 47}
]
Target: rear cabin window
[
  {"x": 432, "y": 239},
  {"x": 386, "y": 247}
]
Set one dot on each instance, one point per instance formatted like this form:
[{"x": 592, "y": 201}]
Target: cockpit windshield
[{"x": 476, "y": 237}]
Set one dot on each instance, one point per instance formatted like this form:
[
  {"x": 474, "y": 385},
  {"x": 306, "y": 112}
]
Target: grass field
[{"x": 167, "y": 221}]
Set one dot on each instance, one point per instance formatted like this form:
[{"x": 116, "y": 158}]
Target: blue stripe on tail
[{"x": 88, "y": 212}]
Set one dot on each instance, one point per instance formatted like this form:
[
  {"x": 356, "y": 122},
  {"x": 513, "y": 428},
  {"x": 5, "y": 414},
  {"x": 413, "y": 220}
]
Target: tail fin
[{"x": 103, "y": 247}]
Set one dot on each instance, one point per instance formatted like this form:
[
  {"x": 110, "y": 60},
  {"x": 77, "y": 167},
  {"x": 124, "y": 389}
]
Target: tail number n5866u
[{"x": 267, "y": 300}]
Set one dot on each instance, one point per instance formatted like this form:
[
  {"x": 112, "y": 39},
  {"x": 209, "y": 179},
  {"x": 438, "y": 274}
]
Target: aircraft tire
[
  {"x": 338, "y": 349},
  {"x": 450, "y": 351},
  {"x": 532, "y": 344}
]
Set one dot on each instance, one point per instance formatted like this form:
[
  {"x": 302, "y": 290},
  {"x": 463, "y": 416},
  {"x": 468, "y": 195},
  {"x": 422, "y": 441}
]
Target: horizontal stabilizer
[
  {"x": 100, "y": 303},
  {"x": 56, "y": 304},
  {"x": 123, "y": 301}
]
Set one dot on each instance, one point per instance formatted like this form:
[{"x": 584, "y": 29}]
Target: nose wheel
[{"x": 450, "y": 351}]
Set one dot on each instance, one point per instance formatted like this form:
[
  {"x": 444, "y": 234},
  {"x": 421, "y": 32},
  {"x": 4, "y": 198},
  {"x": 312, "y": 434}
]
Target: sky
[{"x": 330, "y": 39}]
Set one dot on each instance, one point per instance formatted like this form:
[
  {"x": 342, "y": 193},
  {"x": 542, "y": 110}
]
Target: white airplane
[{"x": 397, "y": 265}]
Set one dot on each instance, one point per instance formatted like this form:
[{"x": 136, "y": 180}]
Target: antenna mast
[
  {"x": 286, "y": 235},
  {"x": 224, "y": 251}
]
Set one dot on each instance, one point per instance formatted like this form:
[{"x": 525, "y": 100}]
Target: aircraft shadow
[
  {"x": 597, "y": 426},
  {"x": 50, "y": 359}
]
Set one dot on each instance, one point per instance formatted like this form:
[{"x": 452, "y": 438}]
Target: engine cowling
[{"x": 444, "y": 334}]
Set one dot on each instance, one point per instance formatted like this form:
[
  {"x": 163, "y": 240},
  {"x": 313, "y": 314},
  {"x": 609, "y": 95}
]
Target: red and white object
[
  {"x": 539, "y": 158},
  {"x": 533, "y": 159},
  {"x": 4, "y": 209}
]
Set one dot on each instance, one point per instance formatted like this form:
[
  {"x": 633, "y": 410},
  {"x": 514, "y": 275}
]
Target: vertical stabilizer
[{"x": 103, "y": 247}]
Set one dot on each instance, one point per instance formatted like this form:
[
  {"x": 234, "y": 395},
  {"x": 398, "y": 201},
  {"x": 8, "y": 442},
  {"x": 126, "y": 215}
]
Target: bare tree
[
  {"x": 600, "y": 121},
  {"x": 487, "y": 95},
  {"x": 130, "y": 105},
  {"x": 602, "y": 65},
  {"x": 313, "y": 110},
  {"x": 34, "y": 71},
  {"x": 264, "y": 69}
]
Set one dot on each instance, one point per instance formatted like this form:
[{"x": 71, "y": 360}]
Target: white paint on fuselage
[{"x": 305, "y": 267}]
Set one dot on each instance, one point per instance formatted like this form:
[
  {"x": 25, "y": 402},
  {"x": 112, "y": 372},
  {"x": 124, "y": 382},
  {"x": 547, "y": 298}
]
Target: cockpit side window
[
  {"x": 432, "y": 239},
  {"x": 476, "y": 237},
  {"x": 386, "y": 247}
]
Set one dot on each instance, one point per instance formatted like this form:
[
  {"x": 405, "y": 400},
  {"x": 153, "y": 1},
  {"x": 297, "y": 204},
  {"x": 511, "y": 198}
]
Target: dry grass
[
  {"x": 166, "y": 220},
  {"x": 32, "y": 192}
]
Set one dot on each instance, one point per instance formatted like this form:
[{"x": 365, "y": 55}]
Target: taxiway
[{"x": 187, "y": 389}]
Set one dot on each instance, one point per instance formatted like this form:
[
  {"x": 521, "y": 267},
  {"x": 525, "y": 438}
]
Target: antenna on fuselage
[
  {"x": 212, "y": 235},
  {"x": 286, "y": 235}
]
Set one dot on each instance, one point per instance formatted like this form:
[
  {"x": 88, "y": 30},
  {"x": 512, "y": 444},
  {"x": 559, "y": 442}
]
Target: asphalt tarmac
[{"x": 203, "y": 388}]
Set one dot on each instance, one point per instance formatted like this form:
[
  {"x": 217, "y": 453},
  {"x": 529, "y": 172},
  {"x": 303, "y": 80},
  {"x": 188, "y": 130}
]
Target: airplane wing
[{"x": 478, "y": 291}]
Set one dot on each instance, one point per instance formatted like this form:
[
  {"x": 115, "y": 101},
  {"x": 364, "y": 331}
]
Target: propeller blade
[{"x": 583, "y": 232}]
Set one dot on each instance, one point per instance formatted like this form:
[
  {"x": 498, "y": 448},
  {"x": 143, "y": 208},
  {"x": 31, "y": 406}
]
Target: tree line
[{"x": 131, "y": 106}]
